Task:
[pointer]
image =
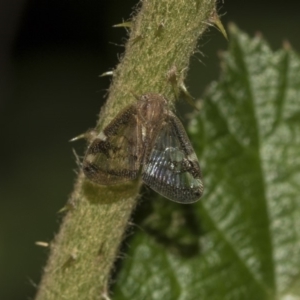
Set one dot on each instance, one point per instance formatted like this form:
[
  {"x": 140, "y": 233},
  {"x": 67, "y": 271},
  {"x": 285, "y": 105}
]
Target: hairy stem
[{"x": 164, "y": 34}]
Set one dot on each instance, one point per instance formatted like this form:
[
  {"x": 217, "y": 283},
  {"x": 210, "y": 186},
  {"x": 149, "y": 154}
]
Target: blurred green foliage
[{"x": 248, "y": 137}]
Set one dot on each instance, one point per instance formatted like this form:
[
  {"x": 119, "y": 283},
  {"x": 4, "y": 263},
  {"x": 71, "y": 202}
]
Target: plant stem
[{"x": 164, "y": 34}]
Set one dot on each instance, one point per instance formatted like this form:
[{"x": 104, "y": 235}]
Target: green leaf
[{"x": 248, "y": 140}]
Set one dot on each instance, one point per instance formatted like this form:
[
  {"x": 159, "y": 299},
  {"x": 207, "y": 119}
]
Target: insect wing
[
  {"x": 114, "y": 156},
  {"x": 171, "y": 167}
]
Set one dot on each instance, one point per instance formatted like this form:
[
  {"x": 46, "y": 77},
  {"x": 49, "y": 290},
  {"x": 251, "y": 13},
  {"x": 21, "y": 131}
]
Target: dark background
[{"x": 51, "y": 53}]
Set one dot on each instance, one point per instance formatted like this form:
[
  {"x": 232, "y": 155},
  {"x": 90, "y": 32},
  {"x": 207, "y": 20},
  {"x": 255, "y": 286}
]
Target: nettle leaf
[{"x": 248, "y": 139}]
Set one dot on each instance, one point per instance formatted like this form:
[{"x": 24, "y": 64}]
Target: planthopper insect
[{"x": 146, "y": 139}]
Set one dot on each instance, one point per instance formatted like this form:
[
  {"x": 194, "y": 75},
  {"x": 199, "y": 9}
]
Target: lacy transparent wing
[
  {"x": 114, "y": 156},
  {"x": 171, "y": 166}
]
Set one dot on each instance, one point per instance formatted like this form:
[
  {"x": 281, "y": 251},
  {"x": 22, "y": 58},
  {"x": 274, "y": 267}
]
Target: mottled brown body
[{"x": 146, "y": 138}]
